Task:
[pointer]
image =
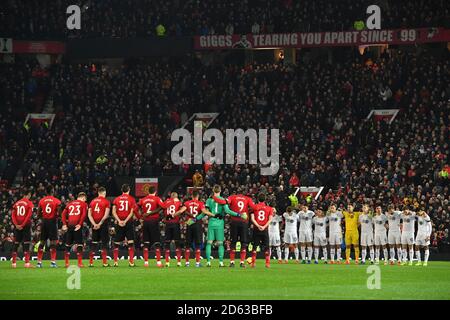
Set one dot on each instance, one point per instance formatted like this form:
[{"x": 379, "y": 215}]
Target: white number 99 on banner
[{"x": 408, "y": 35}]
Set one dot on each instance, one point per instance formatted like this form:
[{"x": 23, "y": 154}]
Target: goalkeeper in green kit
[{"x": 216, "y": 225}]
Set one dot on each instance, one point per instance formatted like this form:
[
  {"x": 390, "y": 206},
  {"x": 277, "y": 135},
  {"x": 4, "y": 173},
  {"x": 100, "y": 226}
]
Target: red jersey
[
  {"x": 124, "y": 205},
  {"x": 239, "y": 204},
  {"x": 22, "y": 211},
  {"x": 262, "y": 213},
  {"x": 98, "y": 208},
  {"x": 49, "y": 207},
  {"x": 74, "y": 213},
  {"x": 171, "y": 206},
  {"x": 150, "y": 203},
  {"x": 194, "y": 207}
]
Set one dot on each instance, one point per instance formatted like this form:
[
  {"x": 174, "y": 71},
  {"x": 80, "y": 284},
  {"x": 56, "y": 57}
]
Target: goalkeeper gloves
[
  {"x": 244, "y": 216},
  {"x": 190, "y": 222}
]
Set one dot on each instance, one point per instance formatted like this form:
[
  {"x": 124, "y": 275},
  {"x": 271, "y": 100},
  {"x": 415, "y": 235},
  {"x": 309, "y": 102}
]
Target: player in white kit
[
  {"x": 380, "y": 221},
  {"x": 290, "y": 233},
  {"x": 408, "y": 219},
  {"x": 274, "y": 235},
  {"x": 424, "y": 230},
  {"x": 366, "y": 239},
  {"x": 305, "y": 237},
  {"x": 320, "y": 235},
  {"x": 335, "y": 232},
  {"x": 394, "y": 234}
]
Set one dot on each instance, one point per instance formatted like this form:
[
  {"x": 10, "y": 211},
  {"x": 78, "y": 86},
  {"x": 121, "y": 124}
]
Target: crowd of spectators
[
  {"x": 118, "y": 122},
  {"x": 144, "y": 18}
]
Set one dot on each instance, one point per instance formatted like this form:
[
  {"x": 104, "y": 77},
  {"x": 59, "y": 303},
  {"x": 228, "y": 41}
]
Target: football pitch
[{"x": 285, "y": 281}]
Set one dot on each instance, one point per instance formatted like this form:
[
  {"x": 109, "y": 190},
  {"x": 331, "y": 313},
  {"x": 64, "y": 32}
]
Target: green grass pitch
[{"x": 286, "y": 281}]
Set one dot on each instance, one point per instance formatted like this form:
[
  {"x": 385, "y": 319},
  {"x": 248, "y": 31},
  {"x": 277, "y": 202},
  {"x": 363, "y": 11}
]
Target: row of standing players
[
  {"x": 379, "y": 231},
  {"x": 148, "y": 210}
]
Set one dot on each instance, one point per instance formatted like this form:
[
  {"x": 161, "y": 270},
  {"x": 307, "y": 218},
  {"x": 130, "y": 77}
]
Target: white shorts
[
  {"x": 320, "y": 240},
  {"x": 380, "y": 238},
  {"x": 366, "y": 239},
  {"x": 407, "y": 238},
  {"x": 394, "y": 238},
  {"x": 290, "y": 237},
  {"x": 305, "y": 236},
  {"x": 335, "y": 238},
  {"x": 420, "y": 239},
  {"x": 274, "y": 239}
]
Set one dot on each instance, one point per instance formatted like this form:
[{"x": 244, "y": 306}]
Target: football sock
[
  {"x": 267, "y": 255},
  {"x": 178, "y": 253},
  {"x": 104, "y": 258},
  {"x": 146, "y": 254},
  {"x": 221, "y": 252},
  {"x": 253, "y": 256},
  {"x": 167, "y": 255},
  {"x": 377, "y": 254},
  {"x": 347, "y": 254},
  {"x": 66, "y": 257},
  {"x": 244, "y": 255},
  {"x": 80, "y": 256},
  {"x": 405, "y": 255},
  {"x": 208, "y": 252},
  {"x": 131, "y": 254},
  {"x": 363, "y": 254},
  {"x": 310, "y": 252},
  {"x": 187, "y": 254},
  {"x": 385, "y": 254},
  {"x": 392, "y": 253},
  {"x": 40, "y": 254},
  {"x": 286, "y": 254},
  {"x": 27, "y": 256},
  {"x": 411, "y": 254},
  {"x": 325, "y": 253},
  {"x": 158, "y": 254},
  {"x": 339, "y": 254},
  {"x": 316, "y": 253},
  {"x": 303, "y": 252},
  {"x": 279, "y": 253},
  {"x": 296, "y": 253},
  {"x": 91, "y": 257},
  {"x": 357, "y": 253},
  {"x": 232, "y": 254},
  {"x": 399, "y": 254},
  {"x": 116, "y": 254},
  {"x": 14, "y": 257},
  {"x": 418, "y": 255},
  {"x": 197, "y": 255},
  {"x": 52, "y": 253},
  {"x": 427, "y": 255},
  {"x": 372, "y": 253},
  {"x": 332, "y": 252}
]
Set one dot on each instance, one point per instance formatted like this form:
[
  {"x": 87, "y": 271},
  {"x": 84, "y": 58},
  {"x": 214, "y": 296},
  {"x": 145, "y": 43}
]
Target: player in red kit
[
  {"x": 98, "y": 214},
  {"x": 21, "y": 218},
  {"x": 124, "y": 207},
  {"x": 48, "y": 208},
  {"x": 238, "y": 226},
  {"x": 261, "y": 216},
  {"x": 194, "y": 228},
  {"x": 73, "y": 217},
  {"x": 172, "y": 222},
  {"x": 150, "y": 206}
]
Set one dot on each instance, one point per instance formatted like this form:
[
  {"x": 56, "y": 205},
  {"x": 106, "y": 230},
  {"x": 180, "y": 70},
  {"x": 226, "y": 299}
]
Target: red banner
[
  {"x": 383, "y": 114},
  {"x": 51, "y": 47},
  {"x": 143, "y": 184},
  {"x": 322, "y": 39}
]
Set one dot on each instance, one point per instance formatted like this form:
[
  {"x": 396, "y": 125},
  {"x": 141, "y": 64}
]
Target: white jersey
[
  {"x": 379, "y": 222},
  {"x": 424, "y": 225},
  {"x": 291, "y": 221},
  {"x": 366, "y": 223},
  {"x": 408, "y": 222},
  {"x": 334, "y": 220},
  {"x": 394, "y": 221},
  {"x": 320, "y": 225},
  {"x": 274, "y": 225},
  {"x": 306, "y": 220}
]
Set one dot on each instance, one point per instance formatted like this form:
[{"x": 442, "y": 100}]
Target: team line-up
[{"x": 304, "y": 229}]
